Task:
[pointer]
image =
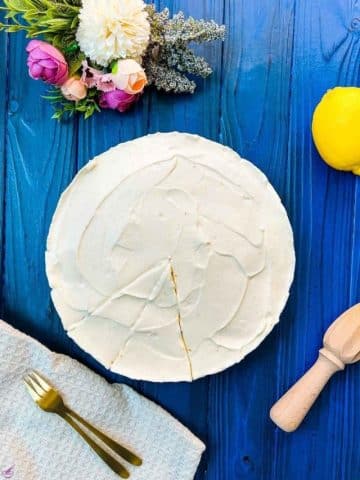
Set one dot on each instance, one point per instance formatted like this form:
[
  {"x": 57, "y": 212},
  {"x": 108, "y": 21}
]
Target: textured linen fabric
[{"x": 41, "y": 445}]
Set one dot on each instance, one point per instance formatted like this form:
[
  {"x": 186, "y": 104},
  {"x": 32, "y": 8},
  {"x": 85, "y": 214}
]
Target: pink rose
[
  {"x": 47, "y": 63},
  {"x": 129, "y": 76},
  {"x": 96, "y": 78},
  {"x": 117, "y": 100},
  {"x": 74, "y": 89}
]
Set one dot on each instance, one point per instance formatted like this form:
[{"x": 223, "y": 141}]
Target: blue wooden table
[{"x": 279, "y": 57}]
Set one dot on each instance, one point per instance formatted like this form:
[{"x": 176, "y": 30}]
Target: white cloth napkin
[{"x": 35, "y": 445}]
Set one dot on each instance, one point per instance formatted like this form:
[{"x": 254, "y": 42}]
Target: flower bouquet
[{"x": 103, "y": 53}]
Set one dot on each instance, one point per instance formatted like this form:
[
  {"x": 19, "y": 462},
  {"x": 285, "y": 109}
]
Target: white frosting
[{"x": 169, "y": 258}]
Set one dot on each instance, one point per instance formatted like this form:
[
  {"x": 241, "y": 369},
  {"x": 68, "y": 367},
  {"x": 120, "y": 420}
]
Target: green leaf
[
  {"x": 74, "y": 68},
  {"x": 88, "y": 113},
  {"x": 18, "y": 5},
  {"x": 75, "y": 63},
  {"x": 65, "y": 108},
  {"x": 72, "y": 47},
  {"x": 57, "y": 115},
  {"x": 75, "y": 23},
  {"x": 11, "y": 15},
  {"x": 52, "y": 18}
]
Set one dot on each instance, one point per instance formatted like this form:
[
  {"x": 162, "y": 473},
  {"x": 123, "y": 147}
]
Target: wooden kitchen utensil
[{"x": 341, "y": 346}]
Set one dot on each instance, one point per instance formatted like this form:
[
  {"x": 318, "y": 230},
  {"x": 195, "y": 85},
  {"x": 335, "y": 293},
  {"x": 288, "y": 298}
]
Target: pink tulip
[
  {"x": 74, "y": 89},
  {"x": 117, "y": 100},
  {"x": 47, "y": 63}
]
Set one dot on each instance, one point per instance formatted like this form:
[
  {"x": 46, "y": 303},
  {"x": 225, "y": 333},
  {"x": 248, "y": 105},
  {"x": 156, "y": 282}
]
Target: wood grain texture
[
  {"x": 321, "y": 205},
  {"x": 3, "y": 108},
  {"x": 40, "y": 162},
  {"x": 279, "y": 57}
]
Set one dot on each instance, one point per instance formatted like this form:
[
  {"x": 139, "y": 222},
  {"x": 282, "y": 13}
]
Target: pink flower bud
[{"x": 117, "y": 100}]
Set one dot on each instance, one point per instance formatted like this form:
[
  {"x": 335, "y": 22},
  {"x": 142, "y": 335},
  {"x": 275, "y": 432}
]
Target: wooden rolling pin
[{"x": 341, "y": 346}]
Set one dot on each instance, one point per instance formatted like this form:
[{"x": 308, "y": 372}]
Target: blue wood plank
[
  {"x": 254, "y": 121},
  {"x": 3, "y": 107},
  {"x": 321, "y": 204},
  {"x": 40, "y": 160}
]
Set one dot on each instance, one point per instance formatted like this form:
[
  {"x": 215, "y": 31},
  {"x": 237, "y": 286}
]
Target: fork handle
[
  {"x": 106, "y": 457},
  {"x": 116, "y": 447}
]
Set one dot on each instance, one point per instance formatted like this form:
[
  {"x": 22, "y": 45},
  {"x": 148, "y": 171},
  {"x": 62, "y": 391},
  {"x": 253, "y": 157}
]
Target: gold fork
[{"x": 50, "y": 400}]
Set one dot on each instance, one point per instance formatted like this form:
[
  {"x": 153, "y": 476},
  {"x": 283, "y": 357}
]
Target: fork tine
[
  {"x": 41, "y": 380},
  {"x": 32, "y": 392},
  {"x": 35, "y": 386}
]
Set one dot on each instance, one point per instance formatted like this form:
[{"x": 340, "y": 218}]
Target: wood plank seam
[{"x": 3, "y": 174}]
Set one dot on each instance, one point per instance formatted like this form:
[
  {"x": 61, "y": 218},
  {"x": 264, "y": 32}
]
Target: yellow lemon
[{"x": 336, "y": 128}]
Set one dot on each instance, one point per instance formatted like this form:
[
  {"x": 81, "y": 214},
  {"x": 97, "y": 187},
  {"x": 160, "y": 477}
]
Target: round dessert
[{"x": 169, "y": 258}]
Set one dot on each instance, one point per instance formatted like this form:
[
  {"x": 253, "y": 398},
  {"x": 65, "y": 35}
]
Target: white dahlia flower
[{"x": 113, "y": 29}]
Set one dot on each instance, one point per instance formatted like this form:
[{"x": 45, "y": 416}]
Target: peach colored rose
[
  {"x": 74, "y": 89},
  {"x": 129, "y": 76}
]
